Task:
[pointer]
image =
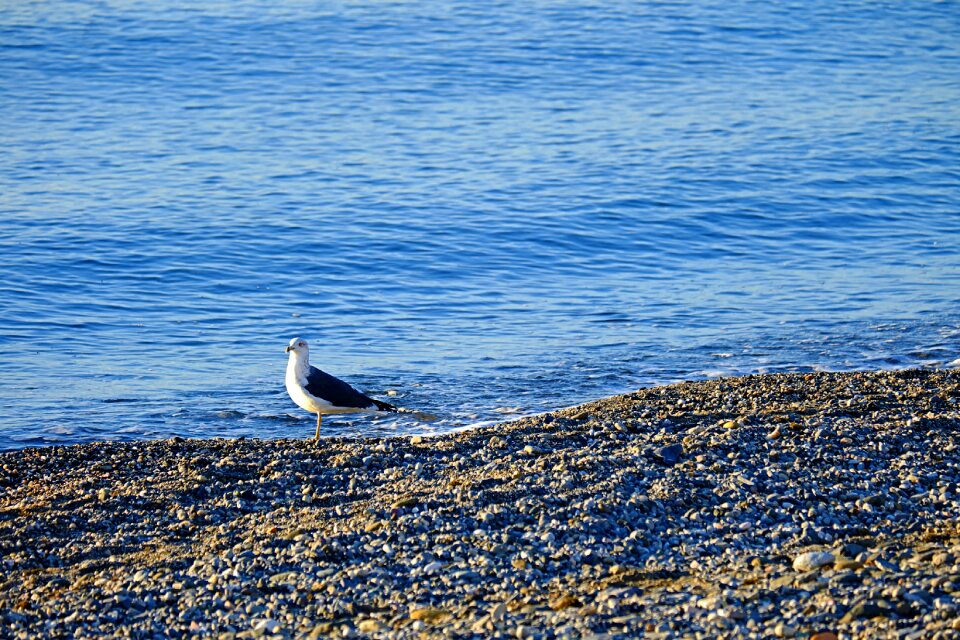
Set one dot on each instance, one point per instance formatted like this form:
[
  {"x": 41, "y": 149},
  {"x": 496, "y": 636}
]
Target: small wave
[
  {"x": 508, "y": 410},
  {"x": 715, "y": 373},
  {"x": 61, "y": 431}
]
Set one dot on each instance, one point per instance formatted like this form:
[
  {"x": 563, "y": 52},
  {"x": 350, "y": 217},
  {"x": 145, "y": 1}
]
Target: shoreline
[{"x": 773, "y": 505}]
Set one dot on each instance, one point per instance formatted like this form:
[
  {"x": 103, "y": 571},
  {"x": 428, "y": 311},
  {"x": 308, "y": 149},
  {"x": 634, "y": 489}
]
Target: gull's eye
[{"x": 299, "y": 344}]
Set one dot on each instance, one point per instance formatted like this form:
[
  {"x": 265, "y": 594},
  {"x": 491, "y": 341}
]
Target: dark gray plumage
[{"x": 321, "y": 384}]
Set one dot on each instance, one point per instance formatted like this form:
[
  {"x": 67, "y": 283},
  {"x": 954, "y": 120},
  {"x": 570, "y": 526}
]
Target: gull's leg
[{"x": 319, "y": 418}]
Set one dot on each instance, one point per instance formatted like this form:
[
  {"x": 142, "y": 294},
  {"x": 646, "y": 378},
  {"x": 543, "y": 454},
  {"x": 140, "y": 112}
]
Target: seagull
[{"x": 320, "y": 392}]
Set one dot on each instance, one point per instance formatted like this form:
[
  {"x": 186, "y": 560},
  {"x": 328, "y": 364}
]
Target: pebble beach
[{"x": 818, "y": 505}]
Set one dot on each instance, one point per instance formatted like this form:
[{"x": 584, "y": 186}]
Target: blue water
[{"x": 492, "y": 208}]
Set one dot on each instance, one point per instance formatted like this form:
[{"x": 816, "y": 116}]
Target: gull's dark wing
[{"x": 338, "y": 393}]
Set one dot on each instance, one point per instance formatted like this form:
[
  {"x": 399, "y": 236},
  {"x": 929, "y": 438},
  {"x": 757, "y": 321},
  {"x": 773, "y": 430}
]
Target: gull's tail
[
  {"x": 385, "y": 406},
  {"x": 420, "y": 415}
]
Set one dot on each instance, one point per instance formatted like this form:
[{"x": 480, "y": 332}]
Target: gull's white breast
[{"x": 295, "y": 387}]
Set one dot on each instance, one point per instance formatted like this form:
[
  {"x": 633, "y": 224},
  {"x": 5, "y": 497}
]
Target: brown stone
[
  {"x": 565, "y": 601},
  {"x": 429, "y": 614},
  {"x": 842, "y": 563}
]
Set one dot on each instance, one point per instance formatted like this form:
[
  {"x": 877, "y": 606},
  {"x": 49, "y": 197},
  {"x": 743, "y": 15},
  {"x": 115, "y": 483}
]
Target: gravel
[{"x": 766, "y": 506}]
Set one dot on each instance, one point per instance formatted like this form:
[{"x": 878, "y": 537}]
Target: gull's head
[{"x": 298, "y": 346}]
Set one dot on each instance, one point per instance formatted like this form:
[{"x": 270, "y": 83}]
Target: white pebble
[{"x": 812, "y": 560}]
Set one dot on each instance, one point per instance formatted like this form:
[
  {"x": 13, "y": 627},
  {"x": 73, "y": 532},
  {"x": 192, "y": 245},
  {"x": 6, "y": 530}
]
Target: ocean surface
[{"x": 488, "y": 208}]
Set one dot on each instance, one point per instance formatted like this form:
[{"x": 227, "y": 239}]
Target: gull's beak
[{"x": 288, "y": 350}]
